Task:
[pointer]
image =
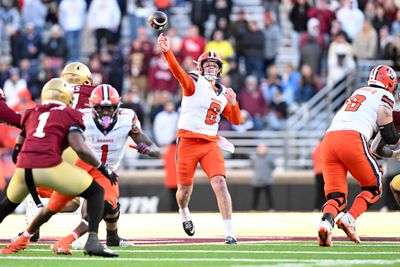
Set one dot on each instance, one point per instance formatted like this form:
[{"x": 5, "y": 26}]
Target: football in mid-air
[{"x": 158, "y": 20}]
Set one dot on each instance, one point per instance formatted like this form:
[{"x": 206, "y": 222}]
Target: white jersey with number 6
[
  {"x": 109, "y": 148},
  {"x": 360, "y": 111},
  {"x": 201, "y": 112}
]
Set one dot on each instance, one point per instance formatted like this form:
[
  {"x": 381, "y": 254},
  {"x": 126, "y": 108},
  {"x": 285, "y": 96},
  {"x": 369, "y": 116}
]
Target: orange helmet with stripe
[
  {"x": 105, "y": 102},
  {"x": 383, "y": 76},
  {"x": 210, "y": 56}
]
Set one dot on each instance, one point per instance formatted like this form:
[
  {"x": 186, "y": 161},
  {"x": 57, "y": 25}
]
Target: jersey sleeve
[
  {"x": 184, "y": 79},
  {"x": 8, "y": 115},
  {"x": 76, "y": 119},
  {"x": 136, "y": 125},
  {"x": 387, "y": 100},
  {"x": 232, "y": 113}
]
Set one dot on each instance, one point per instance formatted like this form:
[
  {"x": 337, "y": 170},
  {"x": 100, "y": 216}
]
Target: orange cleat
[
  {"x": 20, "y": 243},
  {"x": 61, "y": 247}
]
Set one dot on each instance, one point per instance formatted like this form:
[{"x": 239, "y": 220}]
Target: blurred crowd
[{"x": 37, "y": 38}]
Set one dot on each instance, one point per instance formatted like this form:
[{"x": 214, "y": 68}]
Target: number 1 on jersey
[
  {"x": 42, "y": 122},
  {"x": 104, "y": 152}
]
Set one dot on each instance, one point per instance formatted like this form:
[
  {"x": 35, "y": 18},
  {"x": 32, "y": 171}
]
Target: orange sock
[{"x": 358, "y": 207}]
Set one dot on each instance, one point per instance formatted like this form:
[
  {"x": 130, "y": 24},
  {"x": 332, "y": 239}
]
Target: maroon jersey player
[{"x": 7, "y": 115}]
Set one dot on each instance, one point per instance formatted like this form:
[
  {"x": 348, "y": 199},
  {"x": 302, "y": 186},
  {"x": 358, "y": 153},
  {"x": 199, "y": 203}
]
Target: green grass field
[
  {"x": 255, "y": 254},
  {"x": 264, "y": 239}
]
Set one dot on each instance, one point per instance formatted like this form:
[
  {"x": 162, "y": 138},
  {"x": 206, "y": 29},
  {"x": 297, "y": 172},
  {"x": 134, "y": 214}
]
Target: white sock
[
  {"x": 27, "y": 234},
  {"x": 185, "y": 214},
  {"x": 228, "y": 227}
]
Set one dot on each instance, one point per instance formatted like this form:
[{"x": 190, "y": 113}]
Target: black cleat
[
  {"x": 188, "y": 227},
  {"x": 230, "y": 240},
  {"x": 93, "y": 247},
  {"x": 116, "y": 241}
]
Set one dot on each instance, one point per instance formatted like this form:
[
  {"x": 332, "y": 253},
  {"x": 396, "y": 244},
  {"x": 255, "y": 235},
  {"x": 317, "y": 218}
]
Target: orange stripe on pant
[
  {"x": 343, "y": 151},
  {"x": 191, "y": 151}
]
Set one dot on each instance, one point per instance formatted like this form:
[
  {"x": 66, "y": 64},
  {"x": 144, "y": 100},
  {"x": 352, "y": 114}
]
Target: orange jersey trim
[
  {"x": 388, "y": 101},
  {"x": 184, "y": 79}
]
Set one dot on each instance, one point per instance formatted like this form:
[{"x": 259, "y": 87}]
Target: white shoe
[
  {"x": 325, "y": 234},
  {"x": 347, "y": 224}
]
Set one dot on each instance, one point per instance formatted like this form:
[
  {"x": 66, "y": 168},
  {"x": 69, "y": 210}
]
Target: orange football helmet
[
  {"x": 105, "y": 102},
  {"x": 383, "y": 76},
  {"x": 210, "y": 56}
]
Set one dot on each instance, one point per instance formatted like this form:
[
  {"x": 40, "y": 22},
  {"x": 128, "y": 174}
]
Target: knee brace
[
  {"x": 371, "y": 194},
  {"x": 337, "y": 200},
  {"x": 111, "y": 215}
]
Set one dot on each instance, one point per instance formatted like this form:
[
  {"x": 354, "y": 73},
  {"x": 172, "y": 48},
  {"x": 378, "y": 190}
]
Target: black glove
[
  {"x": 107, "y": 172},
  {"x": 142, "y": 148}
]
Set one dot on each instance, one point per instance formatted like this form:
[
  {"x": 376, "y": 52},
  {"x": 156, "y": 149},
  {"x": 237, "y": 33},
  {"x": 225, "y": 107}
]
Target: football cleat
[
  {"x": 347, "y": 224},
  {"x": 19, "y": 244},
  {"x": 116, "y": 241},
  {"x": 188, "y": 227},
  {"x": 61, "y": 247},
  {"x": 93, "y": 247},
  {"x": 325, "y": 234},
  {"x": 230, "y": 240}
]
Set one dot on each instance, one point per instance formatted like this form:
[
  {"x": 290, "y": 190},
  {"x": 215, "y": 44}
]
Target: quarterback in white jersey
[
  {"x": 345, "y": 149},
  {"x": 204, "y": 101}
]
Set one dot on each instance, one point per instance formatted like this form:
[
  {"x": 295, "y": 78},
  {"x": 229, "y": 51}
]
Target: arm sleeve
[
  {"x": 183, "y": 78},
  {"x": 9, "y": 116},
  {"x": 232, "y": 113}
]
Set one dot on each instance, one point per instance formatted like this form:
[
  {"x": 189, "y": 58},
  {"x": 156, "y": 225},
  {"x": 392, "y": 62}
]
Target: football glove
[
  {"x": 141, "y": 147},
  {"x": 108, "y": 173}
]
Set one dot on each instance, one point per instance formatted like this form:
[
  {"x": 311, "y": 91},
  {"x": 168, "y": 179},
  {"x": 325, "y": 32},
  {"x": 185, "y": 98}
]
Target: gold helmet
[
  {"x": 57, "y": 90},
  {"x": 77, "y": 73}
]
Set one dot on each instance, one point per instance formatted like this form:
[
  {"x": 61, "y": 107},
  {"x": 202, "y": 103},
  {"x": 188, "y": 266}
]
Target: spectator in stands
[
  {"x": 31, "y": 43},
  {"x": 351, "y": 18},
  {"x": 392, "y": 52},
  {"x": 112, "y": 60},
  {"x": 272, "y": 84},
  {"x": 222, "y": 9},
  {"x": 104, "y": 19},
  {"x": 298, "y": 17},
  {"x": 222, "y": 25},
  {"x": 309, "y": 85},
  {"x": 384, "y": 40},
  {"x": 365, "y": 44},
  {"x": 193, "y": 43},
  {"x": 235, "y": 75},
  {"x": 4, "y": 73},
  {"x": 395, "y": 28},
  {"x": 273, "y": 37},
  {"x": 238, "y": 29},
  {"x": 325, "y": 16},
  {"x": 369, "y": 10},
  {"x": 35, "y": 12},
  {"x": 141, "y": 51},
  {"x": 380, "y": 20},
  {"x": 160, "y": 77},
  {"x": 13, "y": 86},
  {"x": 319, "y": 199},
  {"x": 199, "y": 15},
  {"x": 46, "y": 71},
  {"x": 263, "y": 166},
  {"x": 251, "y": 99},
  {"x": 157, "y": 101},
  {"x": 131, "y": 99},
  {"x": 165, "y": 125},
  {"x": 340, "y": 60},
  {"x": 246, "y": 124},
  {"x": 11, "y": 24},
  {"x": 222, "y": 46},
  {"x": 56, "y": 47},
  {"x": 28, "y": 73},
  {"x": 273, "y": 7},
  {"x": 138, "y": 12},
  {"x": 290, "y": 82},
  {"x": 312, "y": 46},
  {"x": 99, "y": 73},
  {"x": 72, "y": 17},
  {"x": 390, "y": 8},
  {"x": 253, "y": 42},
  {"x": 277, "y": 115}
]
